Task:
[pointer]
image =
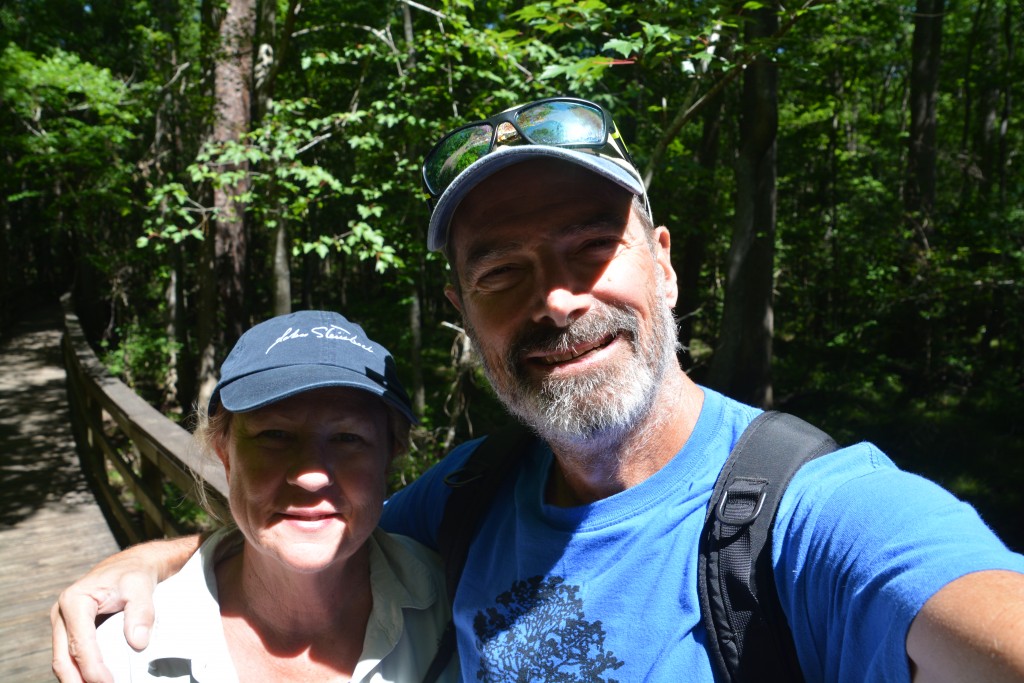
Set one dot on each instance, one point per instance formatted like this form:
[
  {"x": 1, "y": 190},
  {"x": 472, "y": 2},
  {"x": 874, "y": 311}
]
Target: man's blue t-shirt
[{"x": 608, "y": 591}]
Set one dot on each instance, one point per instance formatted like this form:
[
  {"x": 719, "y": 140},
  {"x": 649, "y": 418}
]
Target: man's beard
[{"x": 598, "y": 408}]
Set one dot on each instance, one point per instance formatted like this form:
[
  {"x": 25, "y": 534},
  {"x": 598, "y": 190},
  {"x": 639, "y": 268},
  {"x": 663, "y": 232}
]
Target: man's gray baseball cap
[{"x": 537, "y": 130}]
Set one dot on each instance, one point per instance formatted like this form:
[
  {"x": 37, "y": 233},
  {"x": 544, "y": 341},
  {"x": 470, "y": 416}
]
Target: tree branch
[{"x": 691, "y": 108}]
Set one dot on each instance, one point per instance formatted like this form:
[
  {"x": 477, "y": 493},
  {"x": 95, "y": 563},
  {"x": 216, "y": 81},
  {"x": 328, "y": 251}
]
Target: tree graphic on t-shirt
[{"x": 538, "y": 632}]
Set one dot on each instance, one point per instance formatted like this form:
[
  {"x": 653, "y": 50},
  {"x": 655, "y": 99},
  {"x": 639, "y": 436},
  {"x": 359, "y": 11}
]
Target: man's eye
[
  {"x": 601, "y": 244},
  {"x": 499, "y": 277},
  {"x": 273, "y": 435},
  {"x": 496, "y": 272}
]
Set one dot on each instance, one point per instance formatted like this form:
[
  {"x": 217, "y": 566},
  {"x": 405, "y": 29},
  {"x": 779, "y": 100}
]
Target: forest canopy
[{"x": 842, "y": 181}]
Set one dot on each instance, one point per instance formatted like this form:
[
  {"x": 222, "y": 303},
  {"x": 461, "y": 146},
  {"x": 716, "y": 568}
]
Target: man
[{"x": 584, "y": 568}]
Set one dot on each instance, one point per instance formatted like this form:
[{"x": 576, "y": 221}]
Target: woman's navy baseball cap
[{"x": 293, "y": 353}]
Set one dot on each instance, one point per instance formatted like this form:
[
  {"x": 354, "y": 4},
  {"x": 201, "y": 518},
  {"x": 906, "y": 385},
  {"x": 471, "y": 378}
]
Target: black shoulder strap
[
  {"x": 748, "y": 636},
  {"x": 473, "y": 487}
]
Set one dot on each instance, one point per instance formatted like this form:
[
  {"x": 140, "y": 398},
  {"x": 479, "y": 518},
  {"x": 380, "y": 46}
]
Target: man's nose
[
  {"x": 564, "y": 294},
  {"x": 561, "y": 305}
]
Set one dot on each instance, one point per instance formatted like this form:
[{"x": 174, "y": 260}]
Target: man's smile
[{"x": 570, "y": 354}]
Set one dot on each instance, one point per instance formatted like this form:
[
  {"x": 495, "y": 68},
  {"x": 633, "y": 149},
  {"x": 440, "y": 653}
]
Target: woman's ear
[{"x": 222, "y": 454}]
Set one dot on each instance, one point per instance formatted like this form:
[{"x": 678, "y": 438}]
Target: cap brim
[
  {"x": 260, "y": 389},
  {"x": 486, "y": 166}
]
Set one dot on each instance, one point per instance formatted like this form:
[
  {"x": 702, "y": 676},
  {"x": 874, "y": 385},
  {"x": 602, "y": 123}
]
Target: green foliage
[
  {"x": 879, "y": 322},
  {"x": 185, "y": 512},
  {"x": 138, "y": 356},
  {"x": 69, "y": 122}
]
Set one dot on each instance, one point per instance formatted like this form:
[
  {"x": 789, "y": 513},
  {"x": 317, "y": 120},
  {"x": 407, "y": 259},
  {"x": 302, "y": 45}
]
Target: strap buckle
[{"x": 720, "y": 511}]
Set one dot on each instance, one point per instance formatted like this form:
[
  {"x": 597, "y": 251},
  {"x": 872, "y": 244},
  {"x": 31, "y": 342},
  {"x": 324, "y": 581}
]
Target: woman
[{"x": 306, "y": 417}]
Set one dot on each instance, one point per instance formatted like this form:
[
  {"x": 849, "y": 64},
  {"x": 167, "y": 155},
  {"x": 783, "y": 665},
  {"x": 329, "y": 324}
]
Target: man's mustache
[{"x": 595, "y": 325}]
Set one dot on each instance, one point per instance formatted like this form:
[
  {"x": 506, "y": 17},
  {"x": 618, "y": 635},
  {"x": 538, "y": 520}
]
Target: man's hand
[
  {"x": 124, "y": 581},
  {"x": 971, "y": 630}
]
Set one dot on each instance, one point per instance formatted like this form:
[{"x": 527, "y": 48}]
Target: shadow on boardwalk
[{"x": 51, "y": 528}]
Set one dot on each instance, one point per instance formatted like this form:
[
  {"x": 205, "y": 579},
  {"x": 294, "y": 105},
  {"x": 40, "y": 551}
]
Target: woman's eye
[
  {"x": 273, "y": 435},
  {"x": 347, "y": 437}
]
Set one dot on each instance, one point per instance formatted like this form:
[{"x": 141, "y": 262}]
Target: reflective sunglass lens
[
  {"x": 455, "y": 153},
  {"x": 562, "y": 123}
]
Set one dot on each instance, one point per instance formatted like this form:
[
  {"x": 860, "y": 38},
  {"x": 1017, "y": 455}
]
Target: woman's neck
[{"x": 288, "y": 624}]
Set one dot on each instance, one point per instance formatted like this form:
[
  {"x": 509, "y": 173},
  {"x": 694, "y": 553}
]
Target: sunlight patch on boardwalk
[{"x": 51, "y": 529}]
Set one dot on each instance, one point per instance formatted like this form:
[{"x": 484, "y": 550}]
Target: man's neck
[{"x": 584, "y": 475}]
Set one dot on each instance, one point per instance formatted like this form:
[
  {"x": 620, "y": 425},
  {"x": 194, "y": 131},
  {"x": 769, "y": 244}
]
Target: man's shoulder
[
  {"x": 433, "y": 478},
  {"x": 415, "y": 510},
  {"x": 721, "y": 422}
]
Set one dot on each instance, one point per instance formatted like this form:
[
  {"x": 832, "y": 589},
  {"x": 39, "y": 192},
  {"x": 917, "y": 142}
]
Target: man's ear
[
  {"x": 453, "y": 296},
  {"x": 663, "y": 242}
]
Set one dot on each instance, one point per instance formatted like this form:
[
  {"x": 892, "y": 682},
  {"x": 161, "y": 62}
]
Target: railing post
[
  {"x": 153, "y": 481},
  {"x": 87, "y": 418},
  {"x": 162, "y": 449}
]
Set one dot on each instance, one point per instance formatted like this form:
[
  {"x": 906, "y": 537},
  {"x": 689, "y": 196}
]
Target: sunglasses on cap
[{"x": 556, "y": 122}]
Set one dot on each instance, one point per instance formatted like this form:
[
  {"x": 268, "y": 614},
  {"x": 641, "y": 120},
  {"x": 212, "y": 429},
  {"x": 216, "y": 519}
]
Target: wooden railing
[{"x": 116, "y": 430}]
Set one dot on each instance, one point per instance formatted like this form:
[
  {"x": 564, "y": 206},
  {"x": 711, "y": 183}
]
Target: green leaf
[{"x": 624, "y": 47}]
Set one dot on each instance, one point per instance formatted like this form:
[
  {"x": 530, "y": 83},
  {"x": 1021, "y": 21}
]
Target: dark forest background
[{"x": 843, "y": 181}]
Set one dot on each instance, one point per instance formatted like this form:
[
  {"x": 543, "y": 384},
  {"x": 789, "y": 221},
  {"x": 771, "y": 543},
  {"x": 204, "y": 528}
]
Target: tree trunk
[
  {"x": 742, "y": 364},
  {"x": 273, "y": 47},
  {"x": 232, "y": 98},
  {"x": 165, "y": 161},
  {"x": 185, "y": 390},
  {"x": 698, "y": 208},
  {"x": 264, "y": 67},
  {"x": 7, "y": 260},
  {"x": 419, "y": 400},
  {"x": 987, "y": 133},
  {"x": 418, "y": 389},
  {"x": 207, "y": 325},
  {"x": 1007, "y": 105},
  {"x": 911, "y": 333},
  {"x": 919, "y": 195},
  {"x": 171, "y": 316},
  {"x": 282, "y": 270}
]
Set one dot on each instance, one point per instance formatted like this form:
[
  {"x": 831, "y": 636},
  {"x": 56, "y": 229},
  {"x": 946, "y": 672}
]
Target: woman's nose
[
  {"x": 310, "y": 471},
  {"x": 311, "y": 480}
]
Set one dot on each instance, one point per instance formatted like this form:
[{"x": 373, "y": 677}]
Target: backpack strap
[
  {"x": 736, "y": 583},
  {"x": 474, "y": 487},
  {"x": 748, "y": 636}
]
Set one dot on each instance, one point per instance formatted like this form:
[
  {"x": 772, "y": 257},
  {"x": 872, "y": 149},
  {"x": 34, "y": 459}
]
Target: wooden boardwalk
[{"x": 51, "y": 529}]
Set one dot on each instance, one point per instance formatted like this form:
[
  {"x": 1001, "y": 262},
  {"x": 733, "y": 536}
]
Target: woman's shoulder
[
  {"x": 405, "y": 562},
  {"x": 185, "y": 604}
]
